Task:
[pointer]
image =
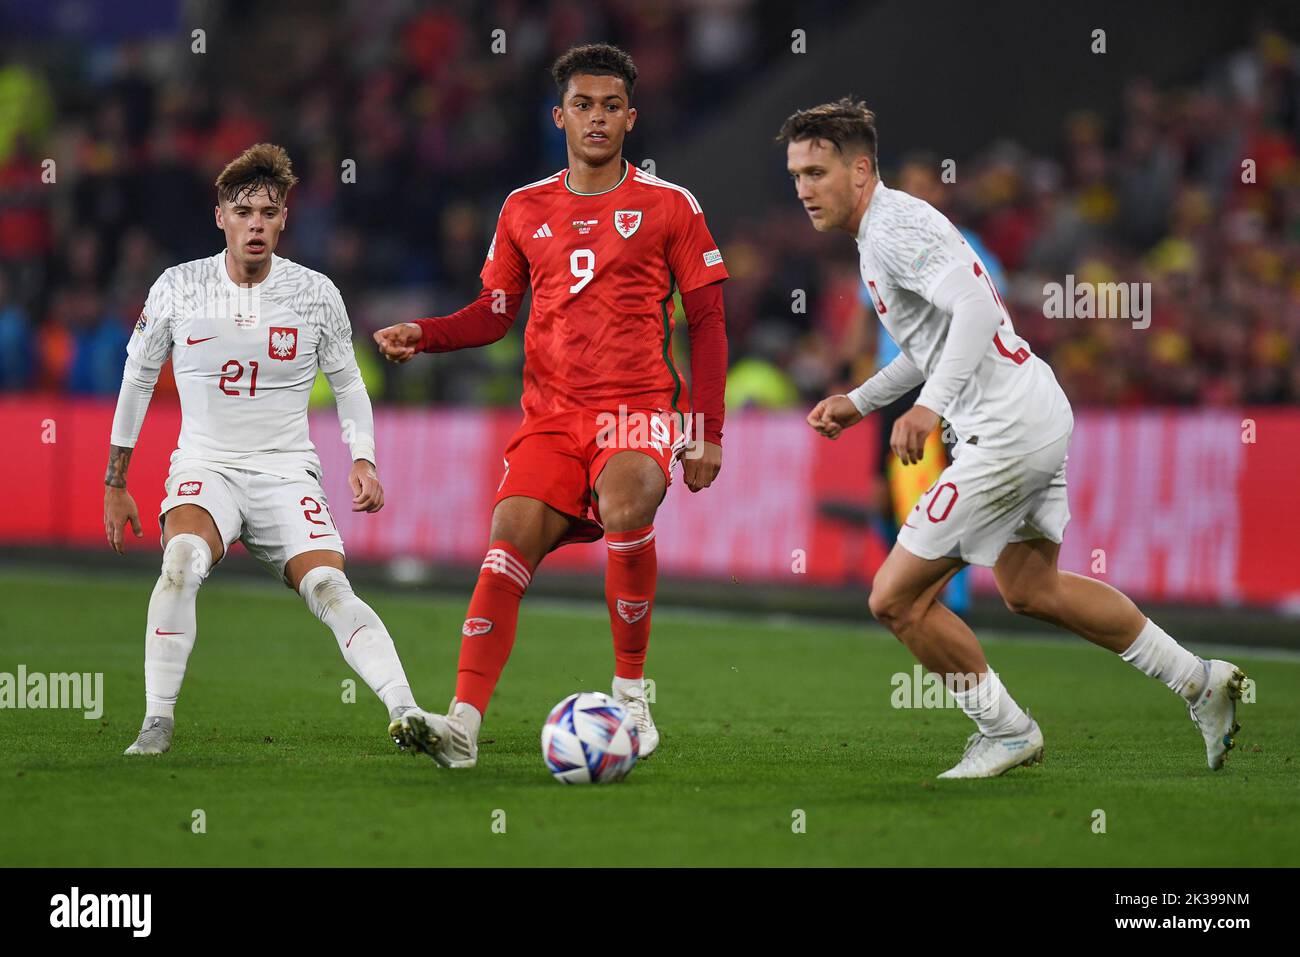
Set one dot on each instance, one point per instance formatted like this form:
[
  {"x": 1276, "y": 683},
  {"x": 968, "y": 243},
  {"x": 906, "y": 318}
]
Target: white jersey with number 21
[{"x": 245, "y": 359}]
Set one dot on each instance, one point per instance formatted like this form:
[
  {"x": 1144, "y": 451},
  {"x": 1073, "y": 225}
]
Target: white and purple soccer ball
[{"x": 588, "y": 739}]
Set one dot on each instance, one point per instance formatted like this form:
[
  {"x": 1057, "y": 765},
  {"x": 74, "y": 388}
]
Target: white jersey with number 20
[{"x": 1012, "y": 404}]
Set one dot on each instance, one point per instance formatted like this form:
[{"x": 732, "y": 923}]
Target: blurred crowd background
[{"x": 441, "y": 129}]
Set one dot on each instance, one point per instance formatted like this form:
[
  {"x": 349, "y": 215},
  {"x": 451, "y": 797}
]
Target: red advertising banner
[{"x": 1175, "y": 505}]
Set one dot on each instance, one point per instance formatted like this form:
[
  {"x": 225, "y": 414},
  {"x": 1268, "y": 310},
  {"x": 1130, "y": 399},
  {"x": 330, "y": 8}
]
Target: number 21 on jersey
[{"x": 232, "y": 372}]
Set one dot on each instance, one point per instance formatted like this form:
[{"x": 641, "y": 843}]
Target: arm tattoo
[{"x": 119, "y": 459}]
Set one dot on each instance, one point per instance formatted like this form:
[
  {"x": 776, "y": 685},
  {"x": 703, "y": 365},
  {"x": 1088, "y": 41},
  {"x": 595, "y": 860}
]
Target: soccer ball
[{"x": 587, "y": 739}]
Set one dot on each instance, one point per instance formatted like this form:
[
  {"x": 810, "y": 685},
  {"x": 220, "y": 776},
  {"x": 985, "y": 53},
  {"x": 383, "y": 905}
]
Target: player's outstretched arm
[
  {"x": 484, "y": 321},
  {"x": 833, "y": 415},
  {"x": 399, "y": 343}
]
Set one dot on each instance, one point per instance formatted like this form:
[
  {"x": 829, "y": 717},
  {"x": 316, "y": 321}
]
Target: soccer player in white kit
[
  {"x": 246, "y": 331},
  {"x": 1002, "y": 502}
]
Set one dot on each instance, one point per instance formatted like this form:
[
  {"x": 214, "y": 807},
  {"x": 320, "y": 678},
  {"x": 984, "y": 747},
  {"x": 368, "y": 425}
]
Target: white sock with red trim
[
  {"x": 362, "y": 637},
  {"x": 171, "y": 626}
]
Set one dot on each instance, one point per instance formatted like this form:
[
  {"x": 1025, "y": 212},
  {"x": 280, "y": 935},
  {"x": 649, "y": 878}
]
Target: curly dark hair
[
  {"x": 594, "y": 59},
  {"x": 845, "y": 123}
]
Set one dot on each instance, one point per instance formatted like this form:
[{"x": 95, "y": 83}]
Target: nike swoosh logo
[
  {"x": 354, "y": 634},
  {"x": 165, "y": 633},
  {"x": 320, "y": 534},
  {"x": 195, "y": 342}
]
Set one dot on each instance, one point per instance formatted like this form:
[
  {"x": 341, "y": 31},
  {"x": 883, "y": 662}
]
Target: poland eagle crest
[
  {"x": 283, "y": 343},
  {"x": 627, "y": 221}
]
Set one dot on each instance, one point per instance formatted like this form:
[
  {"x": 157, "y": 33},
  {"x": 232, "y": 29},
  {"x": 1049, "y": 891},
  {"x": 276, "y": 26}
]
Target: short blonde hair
[{"x": 262, "y": 165}]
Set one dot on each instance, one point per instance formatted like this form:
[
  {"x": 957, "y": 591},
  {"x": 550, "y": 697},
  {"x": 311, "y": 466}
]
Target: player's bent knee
[
  {"x": 187, "y": 559},
  {"x": 892, "y": 610},
  {"x": 1032, "y": 604},
  {"x": 323, "y": 588},
  {"x": 194, "y": 520},
  {"x": 625, "y": 516},
  {"x": 530, "y": 526}
]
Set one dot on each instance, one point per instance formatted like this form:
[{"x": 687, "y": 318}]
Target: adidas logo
[{"x": 543, "y": 233}]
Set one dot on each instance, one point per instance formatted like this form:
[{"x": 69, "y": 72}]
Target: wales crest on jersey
[{"x": 627, "y": 221}]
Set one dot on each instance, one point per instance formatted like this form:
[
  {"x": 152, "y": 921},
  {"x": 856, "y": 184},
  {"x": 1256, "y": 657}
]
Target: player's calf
[
  {"x": 1031, "y": 584},
  {"x": 488, "y": 633},
  {"x": 362, "y": 638},
  {"x": 170, "y": 632},
  {"x": 631, "y": 574}
]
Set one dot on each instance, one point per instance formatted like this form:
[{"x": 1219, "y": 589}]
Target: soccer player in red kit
[{"x": 602, "y": 243}]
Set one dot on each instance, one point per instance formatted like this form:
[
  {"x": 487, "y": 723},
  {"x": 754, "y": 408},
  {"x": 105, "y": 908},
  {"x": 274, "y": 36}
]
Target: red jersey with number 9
[{"x": 602, "y": 268}]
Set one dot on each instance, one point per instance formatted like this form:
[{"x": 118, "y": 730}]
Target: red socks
[
  {"x": 488, "y": 634},
  {"x": 489, "y": 630},
  {"x": 630, "y": 594}
]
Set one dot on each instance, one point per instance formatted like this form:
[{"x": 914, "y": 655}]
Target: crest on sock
[
  {"x": 632, "y": 611},
  {"x": 476, "y": 627}
]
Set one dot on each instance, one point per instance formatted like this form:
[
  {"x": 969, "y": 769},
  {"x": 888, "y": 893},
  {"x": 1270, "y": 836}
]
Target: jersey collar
[
  {"x": 230, "y": 283},
  {"x": 626, "y": 169},
  {"x": 866, "y": 213}
]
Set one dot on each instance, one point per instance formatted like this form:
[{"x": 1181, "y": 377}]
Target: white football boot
[
  {"x": 987, "y": 757},
  {"x": 1215, "y": 711},
  {"x": 155, "y": 736},
  {"x": 631, "y": 698},
  {"x": 450, "y": 739}
]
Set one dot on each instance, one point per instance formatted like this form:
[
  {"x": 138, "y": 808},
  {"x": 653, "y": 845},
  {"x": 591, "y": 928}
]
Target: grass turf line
[{"x": 759, "y": 720}]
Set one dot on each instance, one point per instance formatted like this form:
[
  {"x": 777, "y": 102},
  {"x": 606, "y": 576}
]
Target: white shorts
[
  {"x": 983, "y": 501},
  {"x": 275, "y": 517}
]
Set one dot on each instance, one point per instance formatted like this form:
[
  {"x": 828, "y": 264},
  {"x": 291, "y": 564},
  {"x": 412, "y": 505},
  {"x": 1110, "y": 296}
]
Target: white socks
[
  {"x": 630, "y": 686},
  {"x": 468, "y": 715},
  {"x": 991, "y": 707},
  {"x": 1157, "y": 655},
  {"x": 1153, "y": 653},
  {"x": 170, "y": 627},
  {"x": 362, "y": 637}
]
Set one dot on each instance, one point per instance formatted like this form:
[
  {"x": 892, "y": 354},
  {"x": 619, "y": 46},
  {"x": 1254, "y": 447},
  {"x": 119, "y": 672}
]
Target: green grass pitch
[{"x": 760, "y": 720}]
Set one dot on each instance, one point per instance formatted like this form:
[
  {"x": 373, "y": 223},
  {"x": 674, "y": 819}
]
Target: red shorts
[{"x": 557, "y": 458}]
